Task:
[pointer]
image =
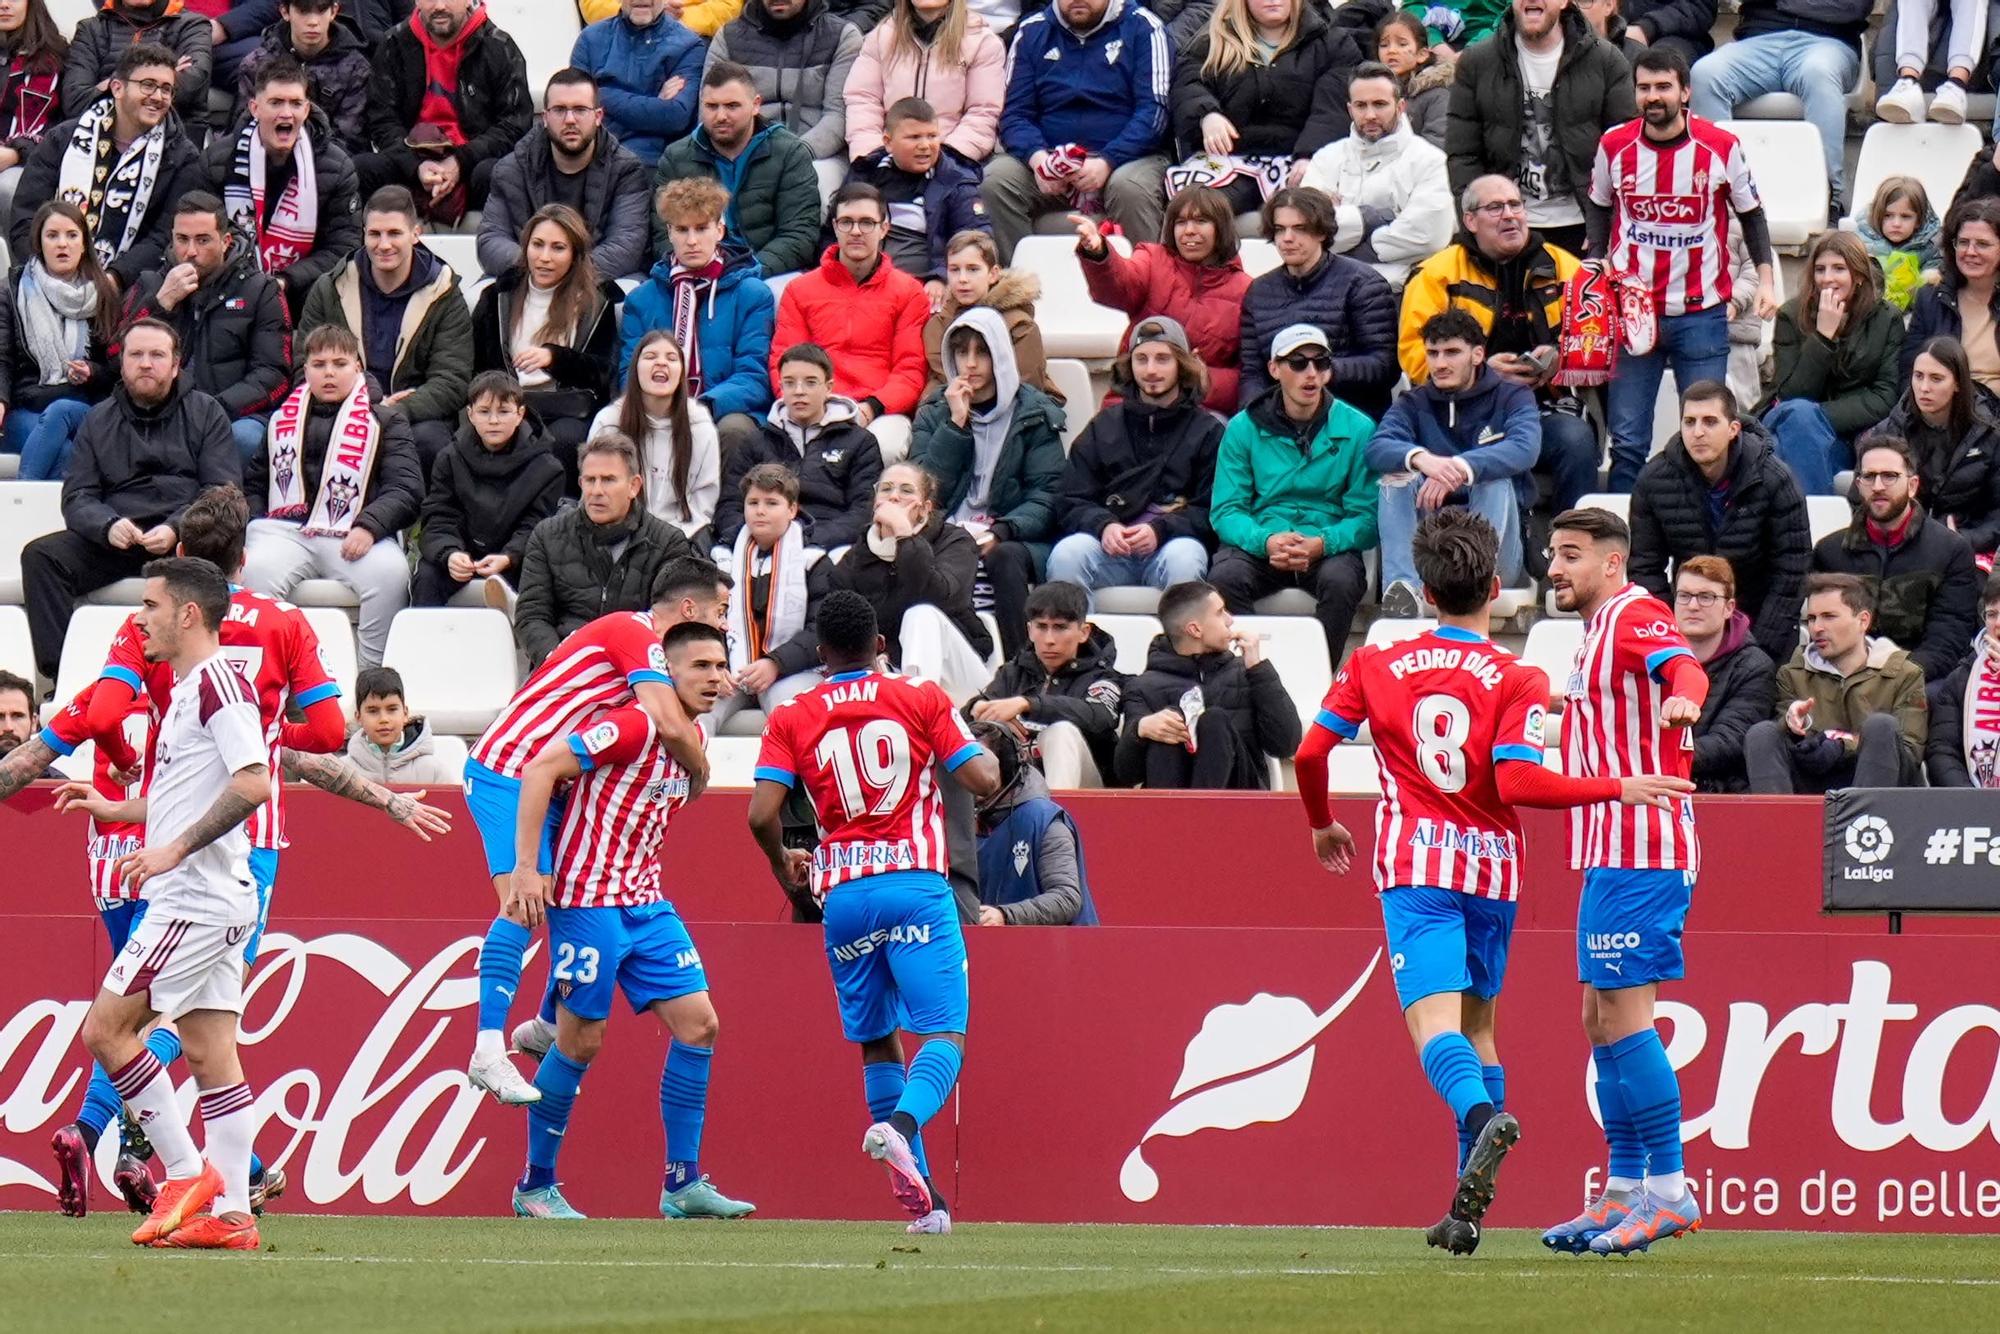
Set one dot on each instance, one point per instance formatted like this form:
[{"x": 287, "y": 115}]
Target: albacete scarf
[
  {"x": 784, "y": 601},
  {"x": 285, "y": 234},
  {"x": 1982, "y": 715},
  {"x": 689, "y": 287},
  {"x": 343, "y": 474},
  {"x": 112, "y": 191}
]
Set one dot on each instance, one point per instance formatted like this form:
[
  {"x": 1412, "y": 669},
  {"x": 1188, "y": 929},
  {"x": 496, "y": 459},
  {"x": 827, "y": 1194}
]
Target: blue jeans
[
  {"x": 43, "y": 439},
  {"x": 1081, "y": 559},
  {"x": 1696, "y": 345},
  {"x": 1496, "y": 502},
  {"x": 1570, "y": 454},
  {"x": 1819, "y": 71},
  {"x": 248, "y": 433},
  {"x": 1808, "y": 444}
]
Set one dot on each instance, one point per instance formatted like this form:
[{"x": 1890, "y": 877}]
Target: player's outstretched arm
[
  {"x": 1525, "y": 783},
  {"x": 979, "y": 775},
  {"x": 767, "y": 826},
  {"x": 249, "y": 788},
  {"x": 331, "y": 773},
  {"x": 83, "y": 797},
  {"x": 24, "y": 764},
  {"x": 1333, "y": 846},
  {"x": 677, "y": 731}
]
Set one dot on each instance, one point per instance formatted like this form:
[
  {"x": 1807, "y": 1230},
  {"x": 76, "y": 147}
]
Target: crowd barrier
[{"x": 1228, "y": 1051}]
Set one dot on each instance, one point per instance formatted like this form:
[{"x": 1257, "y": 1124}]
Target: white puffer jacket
[{"x": 1392, "y": 199}]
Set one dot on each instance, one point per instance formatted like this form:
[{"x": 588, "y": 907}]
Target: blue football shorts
[
  {"x": 494, "y": 802},
  {"x": 897, "y": 955},
  {"x": 119, "y": 918},
  {"x": 1443, "y": 941},
  {"x": 645, "y": 952},
  {"x": 1629, "y": 924}
]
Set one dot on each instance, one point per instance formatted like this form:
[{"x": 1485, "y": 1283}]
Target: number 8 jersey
[
  {"x": 864, "y": 744},
  {"x": 1444, "y": 709}
]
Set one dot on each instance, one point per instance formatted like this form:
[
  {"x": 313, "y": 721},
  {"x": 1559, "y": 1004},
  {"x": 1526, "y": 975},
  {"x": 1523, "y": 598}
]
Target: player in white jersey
[{"x": 210, "y": 771}]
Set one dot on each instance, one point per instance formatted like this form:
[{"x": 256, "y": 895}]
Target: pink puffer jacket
[{"x": 967, "y": 96}]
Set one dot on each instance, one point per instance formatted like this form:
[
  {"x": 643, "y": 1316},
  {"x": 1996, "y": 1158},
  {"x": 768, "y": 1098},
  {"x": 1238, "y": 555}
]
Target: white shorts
[{"x": 181, "y": 966}]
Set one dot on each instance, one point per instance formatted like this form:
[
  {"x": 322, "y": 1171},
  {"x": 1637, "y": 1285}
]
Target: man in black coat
[
  {"x": 1200, "y": 716},
  {"x": 1063, "y": 688},
  {"x": 1348, "y": 300},
  {"x": 141, "y": 456},
  {"x": 1718, "y": 489},
  {"x": 1742, "y": 679}
]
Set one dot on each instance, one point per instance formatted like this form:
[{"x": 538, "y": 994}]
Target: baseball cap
[
  {"x": 1160, "y": 329},
  {"x": 1295, "y": 336}
]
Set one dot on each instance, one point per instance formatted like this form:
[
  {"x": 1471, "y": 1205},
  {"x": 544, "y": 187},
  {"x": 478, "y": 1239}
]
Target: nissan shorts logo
[{"x": 1869, "y": 839}]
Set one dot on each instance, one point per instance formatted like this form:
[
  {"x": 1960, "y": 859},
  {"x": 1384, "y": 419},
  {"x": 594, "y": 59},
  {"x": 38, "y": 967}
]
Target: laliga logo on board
[
  {"x": 1250, "y": 1063},
  {"x": 1869, "y": 839}
]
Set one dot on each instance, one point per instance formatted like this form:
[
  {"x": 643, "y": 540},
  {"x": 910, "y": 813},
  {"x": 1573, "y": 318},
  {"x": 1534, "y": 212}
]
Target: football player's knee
[{"x": 697, "y": 1028}]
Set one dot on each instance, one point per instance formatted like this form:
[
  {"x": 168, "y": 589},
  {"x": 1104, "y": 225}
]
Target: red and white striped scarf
[{"x": 285, "y": 233}]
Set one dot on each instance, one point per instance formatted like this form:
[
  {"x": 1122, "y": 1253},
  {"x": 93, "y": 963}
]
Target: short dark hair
[
  {"x": 280, "y": 69},
  {"x": 857, "y": 192},
  {"x": 143, "y": 55},
  {"x": 1991, "y": 593},
  {"x": 846, "y": 623},
  {"x": 392, "y": 199},
  {"x": 211, "y": 528},
  {"x": 907, "y": 108},
  {"x": 495, "y": 384},
  {"x": 378, "y": 683},
  {"x": 1712, "y": 391},
  {"x": 1182, "y": 603},
  {"x": 192, "y": 579},
  {"x": 1059, "y": 600},
  {"x": 720, "y": 72},
  {"x": 1852, "y": 588},
  {"x": 1315, "y": 206},
  {"x": 569, "y": 76},
  {"x": 772, "y": 477},
  {"x": 1895, "y": 444},
  {"x": 201, "y": 201},
  {"x": 615, "y": 443},
  {"x": 1455, "y": 552},
  {"x": 1663, "y": 60},
  {"x": 156, "y": 325},
  {"x": 812, "y": 354},
  {"x": 689, "y": 632},
  {"x": 9, "y": 681},
  {"x": 689, "y": 577},
  {"x": 1598, "y": 525},
  {"x": 1375, "y": 69},
  {"x": 329, "y": 338},
  {"x": 1453, "y": 324}
]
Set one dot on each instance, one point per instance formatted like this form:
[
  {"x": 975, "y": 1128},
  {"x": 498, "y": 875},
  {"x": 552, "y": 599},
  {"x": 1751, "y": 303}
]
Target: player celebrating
[
  {"x": 864, "y": 743},
  {"x": 1457, "y": 723},
  {"x": 184, "y": 959},
  {"x": 610, "y": 663},
  {"x": 1635, "y": 691},
  {"x": 610, "y": 926}
]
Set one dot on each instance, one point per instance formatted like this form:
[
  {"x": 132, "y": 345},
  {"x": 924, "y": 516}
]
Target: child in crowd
[
  {"x": 780, "y": 581},
  {"x": 487, "y": 493},
  {"x": 931, "y": 195},
  {"x": 1901, "y": 232},
  {"x": 389, "y": 744}
]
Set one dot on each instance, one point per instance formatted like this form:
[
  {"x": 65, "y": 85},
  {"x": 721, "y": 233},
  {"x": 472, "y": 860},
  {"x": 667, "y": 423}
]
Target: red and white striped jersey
[
  {"x": 1445, "y": 710},
  {"x": 107, "y": 842},
  {"x": 1612, "y": 730},
  {"x": 607, "y": 851},
  {"x": 275, "y": 647},
  {"x": 864, "y": 743},
  {"x": 1670, "y": 207},
  {"x": 593, "y": 670}
]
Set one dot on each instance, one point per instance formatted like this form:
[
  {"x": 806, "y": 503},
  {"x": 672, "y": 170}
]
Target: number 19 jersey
[
  {"x": 1445, "y": 709},
  {"x": 864, "y": 743}
]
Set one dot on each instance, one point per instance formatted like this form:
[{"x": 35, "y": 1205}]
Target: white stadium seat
[
  {"x": 1618, "y": 502},
  {"x": 119, "y": 593},
  {"x": 17, "y": 649},
  {"x": 1827, "y": 514},
  {"x": 457, "y": 665},
  {"x": 1133, "y": 635},
  {"x": 1072, "y": 324},
  {"x": 69, "y": 13},
  {"x": 1127, "y": 599},
  {"x": 1391, "y": 630},
  {"x": 1552, "y": 646},
  {"x": 1785, "y": 106},
  {"x": 546, "y": 32},
  {"x": 28, "y": 510},
  {"x": 450, "y": 752},
  {"x": 336, "y": 650},
  {"x": 1072, "y": 377},
  {"x": 1296, "y": 646},
  {"x": 323, "y": 593},
  {"x": 1351, "y": 770},
  {"x": 1937, "y": 155},
  {"x": 1258, "y": 255},
  {"x": 732, "y": 761},
  {"x": 461, "y": 251},
  {"x": 85, "y": 648},
  {"x": 1790, "y": 170}
]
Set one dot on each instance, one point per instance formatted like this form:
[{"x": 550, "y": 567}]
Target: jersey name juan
[
  {"x": 1612, "y": 730},
  {"x": 277, "y": 650},
  {"x": 1670, "y": 209},
  {"x": 593, "y": 670},
  {"x": 108, "y": 841},
  {"x": 607, "y": 851},
  {"x": 210, "y": 731},
  {"x": 1444, "y": 710},
  {"x": 864, "y": 743}
]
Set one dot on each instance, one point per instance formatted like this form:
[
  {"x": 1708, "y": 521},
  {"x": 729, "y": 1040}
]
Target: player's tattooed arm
[
  {"x": 249, "y": 788},
  {"x": 24, "y": 764},
  {"x": 330, "y": 773}
]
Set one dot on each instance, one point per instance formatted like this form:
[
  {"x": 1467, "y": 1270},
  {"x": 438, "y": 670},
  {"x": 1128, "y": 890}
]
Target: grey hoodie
[
  {"x": 991, "y": 426},
  {"x": 413, "y": 761}
]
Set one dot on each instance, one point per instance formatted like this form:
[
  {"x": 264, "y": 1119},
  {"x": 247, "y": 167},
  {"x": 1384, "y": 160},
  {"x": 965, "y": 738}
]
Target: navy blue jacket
[
  {"x": 1353, "y": 307},
  {"x": 1105, "y": 89},
  {"x": 1494, "y": 426},
  {"x": 949, "y": 197}
]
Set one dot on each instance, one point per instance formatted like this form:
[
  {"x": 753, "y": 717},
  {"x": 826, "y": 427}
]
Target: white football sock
[
  {"x": 148, "y": 1090},
  {"x": 227, "y": 1129}
]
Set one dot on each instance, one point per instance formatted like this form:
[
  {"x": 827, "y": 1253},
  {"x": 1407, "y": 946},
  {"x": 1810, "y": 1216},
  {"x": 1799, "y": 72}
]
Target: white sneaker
[
  {"x": 1948, "y": 105},
  {"x": 497, "y": 1075},
  {"x": 1904, "y": 104},
  {"x": 534, "y": 1036}
]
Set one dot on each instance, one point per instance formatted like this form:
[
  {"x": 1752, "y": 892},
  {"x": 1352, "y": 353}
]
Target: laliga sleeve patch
[
  {"x": 1532, "y": 726},
  {"x": 600, "y": 738},
  {"x": 656, "y": 658}
]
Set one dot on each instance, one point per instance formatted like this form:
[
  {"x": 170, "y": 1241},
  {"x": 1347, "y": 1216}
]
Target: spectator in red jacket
[
  {"x": 869, "y": 316},
  {"x": 1193, "y": 276}
]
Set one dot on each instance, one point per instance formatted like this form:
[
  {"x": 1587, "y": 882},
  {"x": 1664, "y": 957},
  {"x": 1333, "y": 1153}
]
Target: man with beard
[
  {"x": 17, "y": 714},
  {"x": 1658, "y": 192},
  {"x": 1391, "y": 198}
]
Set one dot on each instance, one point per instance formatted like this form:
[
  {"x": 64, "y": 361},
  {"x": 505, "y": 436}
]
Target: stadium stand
[
  {"x": 27, "y": 510},
  {"x": 458, "y": 665}
]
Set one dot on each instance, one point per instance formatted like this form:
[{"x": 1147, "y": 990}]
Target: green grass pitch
[{"x": 438, "y": 1274}]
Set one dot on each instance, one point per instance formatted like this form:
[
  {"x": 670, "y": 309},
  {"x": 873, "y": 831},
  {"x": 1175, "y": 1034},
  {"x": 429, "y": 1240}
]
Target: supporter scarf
[
  {"x": 1062, "y": 163},
  {"x": 55, "y": 320},
  {"x": 1207, "y": 169},
  {"x": 284, "y": 235},
  {"x": 1602, "y": 313},
  {"x": 29, "y": 103},
  {"x": 113, "y": 192},
  {"x": 441, "y": 63},
  {"x": 784, "y": 603},
  {"x": 689, "y": 286},
  {"x": 1982, "y": 715},
  {"x": 343, "y": 476},
  {"x": 1638, "y": 316}
]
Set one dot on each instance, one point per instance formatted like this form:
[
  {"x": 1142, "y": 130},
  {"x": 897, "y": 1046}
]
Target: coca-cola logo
[{"x": 1684, "y": 209}]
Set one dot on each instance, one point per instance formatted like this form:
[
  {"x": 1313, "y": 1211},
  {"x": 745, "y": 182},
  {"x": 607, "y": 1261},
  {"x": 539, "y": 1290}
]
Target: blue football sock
[
  {"x": 500, "y": 957},
  {"x": 1628, "y": 1152},
  {"x": 548, "y": 1010},
  {"x": 884, "y": 1082},
  {"x": 165, "y": 1044},
  {"x": 1652, "y": 1098},
  {"x": 256, "y": 1168},
  {"x": 558, "y": 1077},
  {"x": 932, "y": 1074},
  {"x": 100, "y": 1107},
  {"x": 1453, "y": 1067},
  {"x": 683, "y": 1105},
  {"x": 1495, "y": 1079}
]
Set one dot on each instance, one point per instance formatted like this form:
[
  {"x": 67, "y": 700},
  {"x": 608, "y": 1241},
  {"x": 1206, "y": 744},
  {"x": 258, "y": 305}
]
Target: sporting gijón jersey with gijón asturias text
[
  {"x": 1444, "y": 710},
  {"x": 864, "y": 743},
  {"x": 1670, "y": 206},
  {"x": 107, "y": 842},
  {"x": 275, "y": 647},
  {"x": 607, "y": 852},
  {"x": 1611, "y": 729},
  {"x": 593, "y": 670}
]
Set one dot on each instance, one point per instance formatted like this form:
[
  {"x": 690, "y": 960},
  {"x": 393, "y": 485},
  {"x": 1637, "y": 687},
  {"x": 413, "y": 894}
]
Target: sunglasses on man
[{"x": 1301, "y": 362}]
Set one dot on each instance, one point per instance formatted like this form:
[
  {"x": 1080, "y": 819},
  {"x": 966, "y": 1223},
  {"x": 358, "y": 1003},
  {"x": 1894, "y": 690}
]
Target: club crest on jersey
[
  {"x": 1111, "y": 50},
  {"x": 1021, "y": 857}
]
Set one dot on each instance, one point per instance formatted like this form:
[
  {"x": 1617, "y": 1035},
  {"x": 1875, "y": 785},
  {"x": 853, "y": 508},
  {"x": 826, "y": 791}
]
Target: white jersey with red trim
[
  {"x": 1612, "y": 730},
  {"x": 607, "y": 850},
  {"x": 210, "y": 732},
  {"x": 593, "y": 670},
  {"x": 1670, "y": 207}
]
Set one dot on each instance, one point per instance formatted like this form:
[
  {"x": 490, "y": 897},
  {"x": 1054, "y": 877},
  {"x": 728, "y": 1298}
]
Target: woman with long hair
[
  {"x": 676, "y": 437},
  {"x": 1192, "y": 275},
  {"x": 552, "y": 323},
  {"x": 1965, "y": 302},
  {"x": 1403, "y": 44},
  {"x": 60, "y": 311},
  {"x": 973, "y": 277},
  {"x": 943, "y": 52},
  {"x": 1838, "y": 345},
  {"x": 1954, "y": 430},
  {"x": 34, "y": 48}
]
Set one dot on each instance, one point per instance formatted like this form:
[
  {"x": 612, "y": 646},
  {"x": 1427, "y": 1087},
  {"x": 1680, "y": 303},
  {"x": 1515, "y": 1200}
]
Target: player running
[
  {"x": 864, "y": 743},
  {"x": 611, "y": 663},
  {"x": 1457, "y": 725},
  {"x": 1634, "y": 693},
  {"x": 610, "y": 927}
]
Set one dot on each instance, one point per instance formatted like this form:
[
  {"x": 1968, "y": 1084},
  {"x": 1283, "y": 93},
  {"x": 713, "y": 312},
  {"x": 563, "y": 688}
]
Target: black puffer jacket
[
  {"x": 145, "y": 464},
  {"x": 617, "y": 203},
  {"x": 339, "y": 234},
  {"x": 1926, "y": 587},
  {"x": 936, "y": 567},
  {"x": 837, "y": 469},
  {"x": 569, "y": 576},
  {"x": 492, "y": 98},
  {"x": 1351, "y": 303},
  {"x": 1764, "y": 533},
  {"x": 181, "y": 170},
  {"x": 1593, "y": 92},
  {"x": 336, "y": 78},
  {"x": 236, "y": 335},
  {"x": 1960, "y": 479},
  {"x": 1742, "y": 692},
  {"x": 579, "y": 371},
  {"x": 1944, "y": 742},
  {"x": 395, "y": 494},
  {"x": 104, "y": 36},
  {"x": 486, "y": 502},
  {"x": 1253, "y": 699},
  {"x": 1294, "y": 106},
  {"x": 1087, "y": 693},
  {"x": 1135, "y": 457}
]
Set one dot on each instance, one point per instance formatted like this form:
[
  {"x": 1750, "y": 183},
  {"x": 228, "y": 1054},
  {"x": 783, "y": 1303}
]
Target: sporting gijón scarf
[{"x": 343, "y": 476}]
